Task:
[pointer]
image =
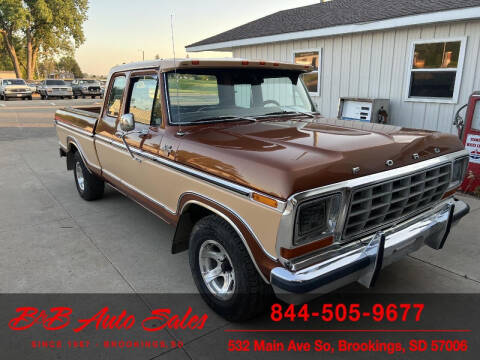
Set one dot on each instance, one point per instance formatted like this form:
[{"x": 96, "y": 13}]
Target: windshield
[
  {"x": 14, "y": 82},
  {"x": 88, "y": 82},
  {"x": 55, "y": 82},
  {"x": 225, "y": 94}
]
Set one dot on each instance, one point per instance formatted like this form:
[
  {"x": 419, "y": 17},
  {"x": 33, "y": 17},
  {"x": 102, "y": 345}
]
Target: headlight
[
  {"x": 317, "y": 219},
  {"x": 84, "y": 88},
  {"x": 459, "y": 169}
]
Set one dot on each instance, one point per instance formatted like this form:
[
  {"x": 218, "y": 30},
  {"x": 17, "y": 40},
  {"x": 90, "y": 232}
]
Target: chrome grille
[{"x": 379, "y": 204}]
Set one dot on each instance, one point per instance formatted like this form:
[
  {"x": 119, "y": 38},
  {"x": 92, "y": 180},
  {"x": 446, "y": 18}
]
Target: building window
[
  {"x": 311, "y": 79},
  {"x": 435, "y": 70}
]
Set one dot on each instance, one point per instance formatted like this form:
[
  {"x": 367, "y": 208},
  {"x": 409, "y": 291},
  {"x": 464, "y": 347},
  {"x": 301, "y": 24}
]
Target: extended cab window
[
  {"x": 143, "y": 95},
  {"x": 115, "y": 97}
]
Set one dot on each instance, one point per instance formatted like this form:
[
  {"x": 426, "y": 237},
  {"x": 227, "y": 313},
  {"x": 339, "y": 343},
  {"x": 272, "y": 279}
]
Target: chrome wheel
[
  {"x": 216, "y": 268},
  {"x": 80, "y": 178}
]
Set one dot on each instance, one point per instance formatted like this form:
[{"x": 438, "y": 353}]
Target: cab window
[
  {"x": 143, "y": 102},
  {"x": 115, "y": 97}
]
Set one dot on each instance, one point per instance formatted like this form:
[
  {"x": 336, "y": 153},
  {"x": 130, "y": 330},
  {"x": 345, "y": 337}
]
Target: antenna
[{"x": 179, "y": 132}]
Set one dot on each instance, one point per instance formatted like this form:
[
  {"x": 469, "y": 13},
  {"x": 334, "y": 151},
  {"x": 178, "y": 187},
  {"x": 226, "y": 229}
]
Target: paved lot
[{"x": 52, "y": 241}]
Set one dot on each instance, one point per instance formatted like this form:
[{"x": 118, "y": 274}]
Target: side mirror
[
  {"x": 127, "y": 122},
  {"x": 459, "y": 122}
]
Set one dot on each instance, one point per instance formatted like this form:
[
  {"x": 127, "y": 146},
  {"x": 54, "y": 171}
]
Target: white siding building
[{"x": 425, "y": 61}]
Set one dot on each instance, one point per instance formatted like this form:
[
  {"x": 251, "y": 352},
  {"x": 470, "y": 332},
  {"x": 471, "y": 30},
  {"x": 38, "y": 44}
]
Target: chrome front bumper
[
  {"x": 89, "y": 92},
  {"x": 18, "y": 93},
  {"x": 59, "y": 93},
  {"x": 363, "y": 260}
]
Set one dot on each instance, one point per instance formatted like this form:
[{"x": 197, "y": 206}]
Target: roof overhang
[
  {"x": 428, "y": 18},
  {"x": 165, "y": 65}
]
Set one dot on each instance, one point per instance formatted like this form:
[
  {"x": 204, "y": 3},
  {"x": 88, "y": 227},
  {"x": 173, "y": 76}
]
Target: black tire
[
  {"x": 76, "y": 96},
  {"x": 93, "y": 97},
  {"x": 30, "y": 98},
  {"x": 1, "y": 97},
  {"x": 93, "y": 187},
  {"x": 251, "y": 294},
  {"x": 5, "y": 97}
]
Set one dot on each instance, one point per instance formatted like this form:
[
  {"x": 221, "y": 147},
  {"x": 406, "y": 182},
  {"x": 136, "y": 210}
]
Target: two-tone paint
[{"x": 218, "y": 167}]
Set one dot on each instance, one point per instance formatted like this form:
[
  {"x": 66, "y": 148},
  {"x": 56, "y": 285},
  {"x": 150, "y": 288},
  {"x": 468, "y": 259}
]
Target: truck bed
[
  {"x": 82, "y": 117},
  {"x": 76, "y": 126}
]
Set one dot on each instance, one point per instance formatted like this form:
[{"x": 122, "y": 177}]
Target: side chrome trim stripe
[
  {"x": 73, "y": 128},
  {"x": 242, "y": 190}
]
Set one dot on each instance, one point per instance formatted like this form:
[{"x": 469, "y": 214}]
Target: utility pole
[{"x": 143, "y": 54}]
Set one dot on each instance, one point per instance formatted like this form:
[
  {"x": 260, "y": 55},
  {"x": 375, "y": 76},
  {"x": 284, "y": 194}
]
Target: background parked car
[
  {"x": 55, "y": 88},
  {"x": 14, "y": 88},
  {"x": 103, "y": 84},
  {"x": 86, "y": 87},
  {"x": 32, "y": 86}
]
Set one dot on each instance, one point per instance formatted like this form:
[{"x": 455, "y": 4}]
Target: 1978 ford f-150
[{"x": 264, "y": 192}]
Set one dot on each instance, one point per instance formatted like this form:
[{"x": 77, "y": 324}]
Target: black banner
[{"x": 147, "y": 326}]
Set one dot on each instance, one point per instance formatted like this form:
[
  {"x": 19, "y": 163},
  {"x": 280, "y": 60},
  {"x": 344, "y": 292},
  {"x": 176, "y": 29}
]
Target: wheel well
[
  {"x": 72, "y": 149},
  {"x": 187, "y": 221}
]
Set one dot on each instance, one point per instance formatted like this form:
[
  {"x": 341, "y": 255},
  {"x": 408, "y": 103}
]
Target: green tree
[
  {"x": 5, "y": 63},
  {"x": 12, "y": 21},
  {"x": 49, "y": 26},
  {"x": 69, "y": 64}
]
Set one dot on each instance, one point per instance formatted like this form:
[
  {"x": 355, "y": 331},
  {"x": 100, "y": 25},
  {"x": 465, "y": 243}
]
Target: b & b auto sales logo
[{"x": 60, "y": 318}]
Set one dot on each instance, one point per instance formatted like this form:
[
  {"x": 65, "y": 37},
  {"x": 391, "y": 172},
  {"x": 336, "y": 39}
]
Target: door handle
[{"x": 167, "y": 149}]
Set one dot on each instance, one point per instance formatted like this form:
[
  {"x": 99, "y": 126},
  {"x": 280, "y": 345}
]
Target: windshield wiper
[
  {"x": 224, "y": 118},
  {"x": 284, "y": 112}
]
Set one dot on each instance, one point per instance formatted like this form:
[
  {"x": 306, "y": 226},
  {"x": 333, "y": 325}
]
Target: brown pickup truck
[{"x": 264, "y": 192}]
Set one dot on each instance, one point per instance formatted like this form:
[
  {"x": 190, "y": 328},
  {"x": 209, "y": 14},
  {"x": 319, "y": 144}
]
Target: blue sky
[{"x": 117, "y": 29}]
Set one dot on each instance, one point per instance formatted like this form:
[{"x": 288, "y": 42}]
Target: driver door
[{"x": 141, "y": 97}]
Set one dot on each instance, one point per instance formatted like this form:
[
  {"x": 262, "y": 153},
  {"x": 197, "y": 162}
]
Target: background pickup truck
[
  {"x": 263, "y": 191},
  {"x": 54, "y": 88},
  {"x": 86, "y": 87}
]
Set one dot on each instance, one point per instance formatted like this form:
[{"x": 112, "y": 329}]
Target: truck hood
[{"x": 284, "y": 156}]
